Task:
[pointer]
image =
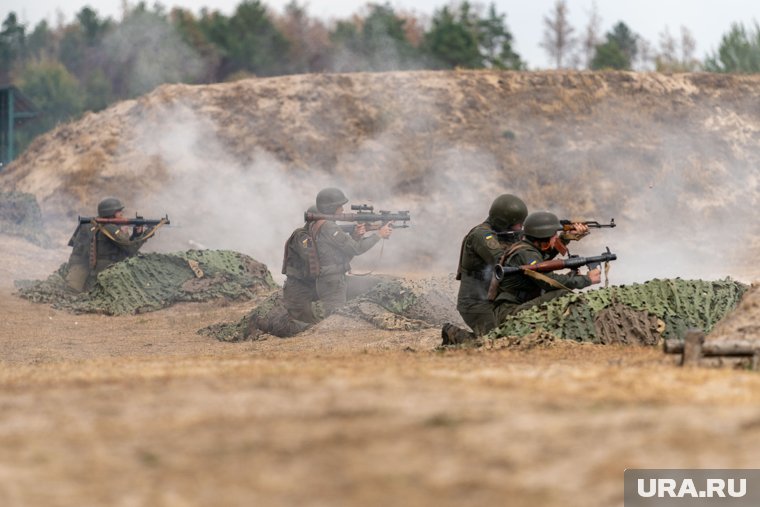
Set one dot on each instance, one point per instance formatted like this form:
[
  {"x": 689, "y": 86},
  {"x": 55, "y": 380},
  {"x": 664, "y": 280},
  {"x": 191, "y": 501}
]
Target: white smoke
[
  {"x": 148, "y": 52},
  {"x": 681, "y": 206}
]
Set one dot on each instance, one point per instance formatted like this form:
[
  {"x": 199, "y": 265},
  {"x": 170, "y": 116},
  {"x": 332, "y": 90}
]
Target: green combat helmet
[
  {"x": 506, "y": 211},
  {"x": 108, "y": 207},
  {"x": 328, "y": 199},
  {"x": 541, "y": 225}
]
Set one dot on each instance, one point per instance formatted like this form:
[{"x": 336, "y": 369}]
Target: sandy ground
[{"x": 140, "y": 410}]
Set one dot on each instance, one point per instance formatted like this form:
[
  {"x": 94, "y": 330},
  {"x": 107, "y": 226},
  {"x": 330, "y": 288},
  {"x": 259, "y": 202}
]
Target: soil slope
[{"x": 671, "y": 157}]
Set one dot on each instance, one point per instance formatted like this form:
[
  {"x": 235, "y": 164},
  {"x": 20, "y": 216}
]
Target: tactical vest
[{"x": 300, "y": 258}]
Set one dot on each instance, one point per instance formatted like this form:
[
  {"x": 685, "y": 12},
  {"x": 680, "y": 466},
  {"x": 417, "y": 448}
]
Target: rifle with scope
[{"x": 365, "y": 214}]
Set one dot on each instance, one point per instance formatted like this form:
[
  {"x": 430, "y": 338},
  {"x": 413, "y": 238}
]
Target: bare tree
[
  {"x": 675, "y": 55},
  {"x": 645, "y": 55},
  {"x": 688, "y": 48},
  {"x": 591, "y": 37},
  {"x": 558, "y": 34},
  {"x": 667, "y": 57},
  {"x": 307, "y": 37}
]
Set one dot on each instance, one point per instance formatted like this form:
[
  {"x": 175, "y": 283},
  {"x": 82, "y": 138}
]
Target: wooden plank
[
  {"x": 722, "y": 348},
  {"x": 692, "y": 347}
]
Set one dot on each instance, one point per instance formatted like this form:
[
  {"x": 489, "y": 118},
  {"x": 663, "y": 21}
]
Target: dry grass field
[{"x": 141, "y": 410}]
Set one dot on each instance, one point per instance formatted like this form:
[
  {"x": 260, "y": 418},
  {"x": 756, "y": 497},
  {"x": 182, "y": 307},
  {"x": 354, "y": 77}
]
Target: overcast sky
[{"x": 708, "y": 20}]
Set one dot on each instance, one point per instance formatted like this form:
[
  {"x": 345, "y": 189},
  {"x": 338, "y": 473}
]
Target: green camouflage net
[
  {"x": 149, "y": 282},
  {"x": 634, "y": 314},
  {"x": 20, "y": 216}
]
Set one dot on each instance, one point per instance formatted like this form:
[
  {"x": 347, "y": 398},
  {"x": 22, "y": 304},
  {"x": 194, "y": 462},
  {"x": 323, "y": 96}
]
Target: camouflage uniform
[
  {"x": 81, "y": 274},
  {"x": 481, "y": 250},
  {"x": 336, "y": 248},
  {"x": 520, "y": 292}
]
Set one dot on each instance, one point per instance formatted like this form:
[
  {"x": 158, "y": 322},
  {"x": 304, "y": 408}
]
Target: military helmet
[
  {"x": 541, "y": 225},
  {"x": 108, "y": 207},
  {"x": 506, "y": 211},
  {"x": 328, "y": 199}
]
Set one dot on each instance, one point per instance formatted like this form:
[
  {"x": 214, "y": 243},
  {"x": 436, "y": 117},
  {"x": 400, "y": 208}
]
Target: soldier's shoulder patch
[{"x": 492, "y": 242}]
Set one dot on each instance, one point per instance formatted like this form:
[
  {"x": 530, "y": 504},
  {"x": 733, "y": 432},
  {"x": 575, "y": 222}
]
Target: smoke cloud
[{"x": 683, "y": 202}]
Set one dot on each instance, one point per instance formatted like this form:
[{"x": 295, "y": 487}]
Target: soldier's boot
[{"x": 453, "y": 335}]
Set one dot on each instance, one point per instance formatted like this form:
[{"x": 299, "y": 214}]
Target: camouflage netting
[
  {"x": 20, "y": 216},
  {"x": 149, "y": 282},
  {"x": 633, "y": 314},
  {"x": 392, "y": 304}
]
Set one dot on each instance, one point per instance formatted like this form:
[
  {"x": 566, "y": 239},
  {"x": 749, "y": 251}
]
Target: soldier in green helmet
[
  {"x": 335, "y": 249},
  {"x": 521, "y": 291},
  {"x": 481, "y": 249},
  {"x": 98, "y": 246}
]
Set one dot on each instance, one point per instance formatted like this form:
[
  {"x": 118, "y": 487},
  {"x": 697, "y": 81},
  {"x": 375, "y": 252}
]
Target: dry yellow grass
[{"x": 140, "y": 410}]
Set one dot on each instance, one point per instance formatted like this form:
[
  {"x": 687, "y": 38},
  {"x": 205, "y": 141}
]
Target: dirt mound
[
  {"x": 440, "y": 144},
  {"x": 394, "y": 304},
  {"x": 149, "y": 282},
  {"x": 20, "y": 216},
  {"x": 743, "y": 323},
  {"x": 637, "y": 314}
]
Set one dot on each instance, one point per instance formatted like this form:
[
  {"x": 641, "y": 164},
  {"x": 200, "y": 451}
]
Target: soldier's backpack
[{"x": 300, "y": 258}]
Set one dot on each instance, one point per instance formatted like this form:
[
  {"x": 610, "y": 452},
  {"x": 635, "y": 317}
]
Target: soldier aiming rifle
[
  {"x": 101, "y": 241},
  {"x": 334, "y": 247},
  {"x": 524, "y": 277}
]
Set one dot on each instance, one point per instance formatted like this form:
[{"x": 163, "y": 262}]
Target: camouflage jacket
[
  {"x": 108, "y": 251},
  {"x": 336, "y": 248},
  {"x": 481, "y": 250},
  {"x": 519, "y": 288}
]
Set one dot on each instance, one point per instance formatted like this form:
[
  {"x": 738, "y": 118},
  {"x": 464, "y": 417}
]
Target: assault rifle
[
  {"x": 567, "y": 225},
  {"x": 137, "y": 221},
  {"x": 572, "y": 262},
  {"x": 364, "y": 214}
]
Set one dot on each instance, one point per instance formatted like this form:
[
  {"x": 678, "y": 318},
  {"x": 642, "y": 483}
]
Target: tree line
[{"x": 93, "y": 61}]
